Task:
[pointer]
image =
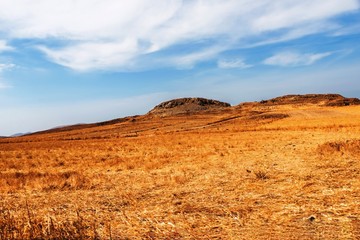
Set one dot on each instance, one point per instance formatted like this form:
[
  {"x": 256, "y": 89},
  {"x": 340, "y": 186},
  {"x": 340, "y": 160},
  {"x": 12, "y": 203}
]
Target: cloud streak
[
  {"x": 109, "y": 34},
  {"x": 6, "y": 66},
  {"x": 291, "y": 59},
  {"x": 2, "y": 85},
  {"x": 233, "y": 63},
  {"x": 4, "y": 46}
]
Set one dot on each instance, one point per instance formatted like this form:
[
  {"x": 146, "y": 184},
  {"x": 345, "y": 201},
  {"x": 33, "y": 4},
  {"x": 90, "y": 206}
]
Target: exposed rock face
[
  {"x": 187, "y": 106},
  {"x": 318, "y": 99}
]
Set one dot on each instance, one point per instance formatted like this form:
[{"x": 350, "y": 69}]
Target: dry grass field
[{"x": 252, "y": 171}]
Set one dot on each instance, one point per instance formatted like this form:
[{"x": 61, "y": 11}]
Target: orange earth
[{"x": 279, "y": 169}]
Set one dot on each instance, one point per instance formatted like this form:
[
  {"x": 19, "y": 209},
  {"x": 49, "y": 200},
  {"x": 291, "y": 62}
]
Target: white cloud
[
  {"x": 353, "y": 29},
  {"x": 296, "y": 32},
  {"x": 94, "y": 55},
  {"x": 233, "y": 63},
  {"x": 111, "y": 34},
  {"x": 3, "y": 85},
  {"x": 285, "y": 59},
  {"x": 4, "y": 46},
  {"x": 188, "y": 61},
  {"x": 5, "y": 66},
  {"x": 292, "y": 13}
]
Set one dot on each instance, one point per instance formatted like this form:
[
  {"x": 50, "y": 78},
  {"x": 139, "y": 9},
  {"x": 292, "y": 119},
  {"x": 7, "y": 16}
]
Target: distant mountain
[
  {"x": 85, "y": 125},
  {"x": 20, "y": 134}
]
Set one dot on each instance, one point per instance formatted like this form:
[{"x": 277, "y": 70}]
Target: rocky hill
[
  {"x": 187, "y": 106},
  {"x": 318, "y": 99}
]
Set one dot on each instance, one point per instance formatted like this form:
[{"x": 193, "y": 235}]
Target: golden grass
[{"x": 284, "y": 172}]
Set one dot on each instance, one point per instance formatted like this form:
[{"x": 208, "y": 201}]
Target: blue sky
[{"x": 76, "y": 61}]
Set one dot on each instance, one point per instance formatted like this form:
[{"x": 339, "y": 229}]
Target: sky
[{"x": 65, "y": 62}]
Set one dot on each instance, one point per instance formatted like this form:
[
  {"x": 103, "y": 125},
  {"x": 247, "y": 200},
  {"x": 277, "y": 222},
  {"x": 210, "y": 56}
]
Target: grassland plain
[{"x": 245, "y": 172}]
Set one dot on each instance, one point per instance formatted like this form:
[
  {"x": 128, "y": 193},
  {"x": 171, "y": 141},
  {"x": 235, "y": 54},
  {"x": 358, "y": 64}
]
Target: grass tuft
[{"x": 261, "y": 175}]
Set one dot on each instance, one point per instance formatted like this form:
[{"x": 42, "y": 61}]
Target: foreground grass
[{"x": 180, "y": 178}]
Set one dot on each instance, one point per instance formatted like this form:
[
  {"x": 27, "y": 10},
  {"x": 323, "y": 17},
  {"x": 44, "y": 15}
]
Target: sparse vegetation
[
  {"x": 216, "y": 175},
  {"x": 30, "y": 226},
  {"x": 262, "y": 175}
]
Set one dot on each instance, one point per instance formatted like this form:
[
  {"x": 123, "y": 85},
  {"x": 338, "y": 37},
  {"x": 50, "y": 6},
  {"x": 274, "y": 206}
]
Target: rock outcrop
[
  {"x": 187, "y": 106},
  {"x": 318, "y": 99}
]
